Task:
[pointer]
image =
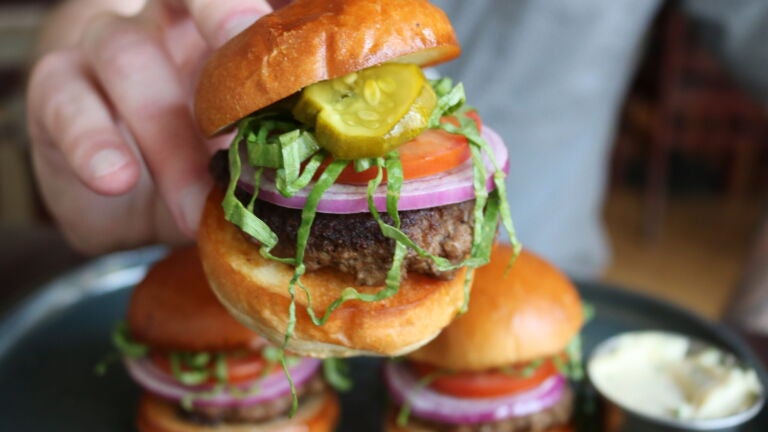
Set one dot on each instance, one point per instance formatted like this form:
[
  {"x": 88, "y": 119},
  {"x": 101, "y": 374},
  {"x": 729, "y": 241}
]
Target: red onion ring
[
  {"x": 449, "y": 187},
  {"x": 157, "y": 382},
  {"x": 428, "y": 404}
]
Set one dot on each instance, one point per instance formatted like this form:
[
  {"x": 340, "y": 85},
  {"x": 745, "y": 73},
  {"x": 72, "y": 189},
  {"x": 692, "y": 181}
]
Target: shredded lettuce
[
  {"x": 450, "y": 99},
  {"x": 327, "y": 178},
  {"x": 234, "y": 211},
  {"x": 220, "y": 368},
  {"x": 336, "y": 373},
  {"x": 394, "y": 274},
  {"x": 588, "y": 310},
  {"x": 526, "y": 372},
  {"x": 125, "y": 347},
  {"x": 121, "y": 338},
  {"x": 290, "y": 178},
  {"x": 194, "y": 374},
  {"x": 268, "y": 138},
  {"x": 572, "y": 365}
]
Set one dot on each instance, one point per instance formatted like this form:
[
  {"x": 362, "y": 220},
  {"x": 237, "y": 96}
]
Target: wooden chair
[{"x": 698, "y": 111}]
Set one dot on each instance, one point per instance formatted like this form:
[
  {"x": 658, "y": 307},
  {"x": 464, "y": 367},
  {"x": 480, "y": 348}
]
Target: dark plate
[{"x": 51, "y": 342}]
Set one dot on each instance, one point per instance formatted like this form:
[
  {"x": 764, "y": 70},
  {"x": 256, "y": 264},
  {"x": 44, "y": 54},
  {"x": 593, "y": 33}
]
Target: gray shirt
[{"x": 550, "y": 77}]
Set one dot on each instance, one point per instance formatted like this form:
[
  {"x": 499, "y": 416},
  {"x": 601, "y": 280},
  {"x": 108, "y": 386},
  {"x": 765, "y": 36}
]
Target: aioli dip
[{"x": 656, "y": 374}]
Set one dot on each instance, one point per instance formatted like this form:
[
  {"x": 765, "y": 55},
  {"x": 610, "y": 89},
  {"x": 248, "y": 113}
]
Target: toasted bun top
[
  {"x": 314, "y": 40},
  {"x": 173, "y": 308},
  {"x": 532, "y": 312}
]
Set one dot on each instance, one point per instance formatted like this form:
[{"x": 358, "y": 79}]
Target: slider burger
[
  {"x": 202, "y": 371},
  {"x": 356, "y": 196},
  {"x": 503, "y": 365}
]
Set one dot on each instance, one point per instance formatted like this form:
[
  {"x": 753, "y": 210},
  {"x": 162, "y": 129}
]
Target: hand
[{"x": 117, "y": 155}]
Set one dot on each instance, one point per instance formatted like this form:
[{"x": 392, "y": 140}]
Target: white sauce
[{"x": 652, "y": 373}]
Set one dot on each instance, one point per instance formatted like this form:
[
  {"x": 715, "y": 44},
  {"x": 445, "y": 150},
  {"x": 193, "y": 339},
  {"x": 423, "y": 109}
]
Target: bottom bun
[
  {"x": 317, "y": 414},
  {"x": 255, "y": 290},
  {"x": 392, "y": 427}
]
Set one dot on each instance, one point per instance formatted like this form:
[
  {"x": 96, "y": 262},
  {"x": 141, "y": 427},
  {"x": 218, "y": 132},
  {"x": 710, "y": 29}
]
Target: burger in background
[
  {"x": 503, "y": 366},
  {"x": 202, "y": 371}
]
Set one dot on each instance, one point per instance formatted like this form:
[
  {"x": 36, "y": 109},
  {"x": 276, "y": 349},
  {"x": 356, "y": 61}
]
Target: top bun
[
  {"x": 174, "y": 309},
  {"x": 315, "y": 40},
  {"x": 532, "y": 313}
]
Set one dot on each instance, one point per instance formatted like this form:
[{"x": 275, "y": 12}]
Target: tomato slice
[
  {"x": 490, "y": 383},
  {"x": 430, "y": 153},
  {"x": 242, "y": 366}
]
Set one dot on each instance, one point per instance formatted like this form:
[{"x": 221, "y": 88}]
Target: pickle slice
[{"x": 368, "y": 113}]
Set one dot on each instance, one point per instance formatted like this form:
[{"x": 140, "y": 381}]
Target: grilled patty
[
  {"x": 263, "y": 412},
  {"x": 353, "y": 243},
  {"x": 558, "y": 414}
]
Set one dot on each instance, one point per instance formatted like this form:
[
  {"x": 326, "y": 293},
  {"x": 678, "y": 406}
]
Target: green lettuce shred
[
  {"x": 361, "y": 165},
  {"x": 268, "y": 150},
  {"x": 121, "y": 338},
  {"x": 572, "y": 366},
  {"x": 336, "y": 373},
  {"x": 220, "y": 369},
  {"x": 125, "y": 346},
  {"x": 450, "y": 99},
  {"x": 525, "y": 372},
  {"x": 195, "y": 375},
  {"x": 235, "y": 212},
  {"x": 394, "y": 274},
  {"x": 588, "y": 310},
  {"x": 308, "y": 213},
  {"x": 290, "y": 179}
]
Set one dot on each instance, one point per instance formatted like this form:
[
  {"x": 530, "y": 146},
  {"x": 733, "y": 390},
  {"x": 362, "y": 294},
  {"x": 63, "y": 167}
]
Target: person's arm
[
  {"x": 749, "y": 306},
  {"x": 118, "y": 157}
]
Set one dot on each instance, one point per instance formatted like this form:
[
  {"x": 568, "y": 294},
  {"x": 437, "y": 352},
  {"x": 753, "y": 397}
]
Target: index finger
[{"x": 220, "y": 20}]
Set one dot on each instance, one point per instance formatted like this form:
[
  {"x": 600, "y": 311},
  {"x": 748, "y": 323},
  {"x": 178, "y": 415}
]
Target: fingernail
[
  {"x": 106, "y": 162},
  {"x": 192, "y": 201},
  {"x": 237, "y": 24}
]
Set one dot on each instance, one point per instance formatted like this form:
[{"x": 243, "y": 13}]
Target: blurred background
[{"x": 689, "y": 177}]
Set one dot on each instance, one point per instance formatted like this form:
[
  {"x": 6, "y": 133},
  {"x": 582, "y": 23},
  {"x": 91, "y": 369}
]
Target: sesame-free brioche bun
[
  {"x": 174, "y": 309},
  {"x": 531, "y": 313},
  {"x": 315, "y": 40},
  {"x": 255, "y": 290},
  {"x": 317, "y": 414},
  {"x": 392, "y": 426}
]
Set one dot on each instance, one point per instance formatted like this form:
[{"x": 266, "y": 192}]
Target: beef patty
[
  {"x": 262, "y": 412},
  {"x": 354, "y": 244},
  {"x": 558, "y": 414}
]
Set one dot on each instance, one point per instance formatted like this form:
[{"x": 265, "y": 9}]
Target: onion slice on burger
[
  {"x": 270, "y": 387},
  {"x": 428, "y": 404},
  {"x": 450, "y": 187}
]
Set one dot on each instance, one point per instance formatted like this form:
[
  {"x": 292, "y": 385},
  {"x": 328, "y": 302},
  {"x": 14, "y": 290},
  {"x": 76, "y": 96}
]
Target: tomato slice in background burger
[
  {"x": 491, "y": 383},
  {"x": 241, "y": 366},
  {"x": 432, "y": 152}
]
